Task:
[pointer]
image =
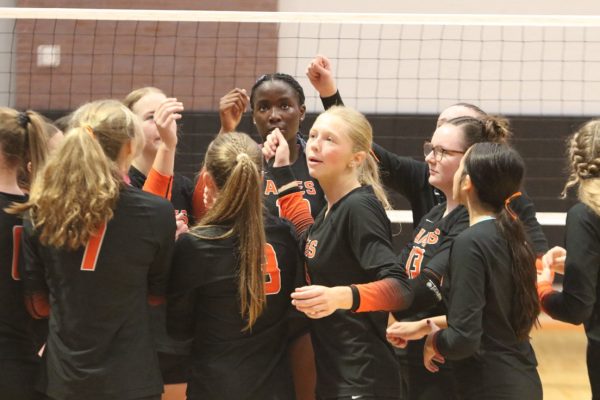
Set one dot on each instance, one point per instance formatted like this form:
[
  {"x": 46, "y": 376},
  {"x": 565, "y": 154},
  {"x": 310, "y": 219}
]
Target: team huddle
[{"x": 273, "y": 276}]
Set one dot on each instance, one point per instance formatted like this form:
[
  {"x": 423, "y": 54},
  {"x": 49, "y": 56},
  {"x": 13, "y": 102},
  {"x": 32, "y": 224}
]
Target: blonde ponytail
[
  {"x": 234, "y": 162},
  {"x": 78, "y": 189}
]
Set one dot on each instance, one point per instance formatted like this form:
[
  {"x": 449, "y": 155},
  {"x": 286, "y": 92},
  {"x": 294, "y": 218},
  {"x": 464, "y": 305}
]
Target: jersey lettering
[
  {"x": 424, "y": 238},
  {"x": 272, "y": 271},
  {"x": 310, "y": 250},
  {"x": 17, "y": 231},
  {"x": 92, "y": 250},
  {"x": 270, "y": 187},
  {"x": 310, "y": 188},
  {"x": 413, "y": 264}
]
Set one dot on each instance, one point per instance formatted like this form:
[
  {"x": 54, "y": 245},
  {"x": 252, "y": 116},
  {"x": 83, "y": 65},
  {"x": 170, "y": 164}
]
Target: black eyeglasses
[{"x": 438, "y": 152}]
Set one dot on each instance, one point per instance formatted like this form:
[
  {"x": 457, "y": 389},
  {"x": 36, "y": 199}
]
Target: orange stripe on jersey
[
  {"x": 17, "y": 231},
  {"x": 158, "y": 184},
  {"x": 198, "y": 197},
  {"x": 383, "y": 295},
  {"x": 296, "y": 208},
  {"x": 92, "y": 250}
]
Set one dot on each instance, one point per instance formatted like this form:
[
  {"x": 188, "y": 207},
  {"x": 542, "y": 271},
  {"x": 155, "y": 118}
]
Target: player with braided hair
[{"x": 579, "y": 301}]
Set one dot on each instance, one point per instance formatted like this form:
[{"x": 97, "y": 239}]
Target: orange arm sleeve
[
  {"x": 296, "y": 208},
  {"x": 158, "y": 184},
  {"x": 383, "y": 295}
]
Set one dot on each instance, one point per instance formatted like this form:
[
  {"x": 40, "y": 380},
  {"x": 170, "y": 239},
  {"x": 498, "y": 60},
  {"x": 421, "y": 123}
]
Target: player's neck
[
  {"x": 337, "y": 188},
  {"x": 8, "y": 182},
  {"x": 143, "y": 163},
  {"x": 477, "y": 212}
]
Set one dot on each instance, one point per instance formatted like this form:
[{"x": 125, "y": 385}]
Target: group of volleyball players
[{"x": 274, "y": 276}]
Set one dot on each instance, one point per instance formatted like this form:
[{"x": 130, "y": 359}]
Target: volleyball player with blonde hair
[
  {"x": 579, "y": 301},
  {"x": 231, "y": 280},
  {"x": 351, "y": 266},
  {"x": 22, "y": 142},
  {"x": 97, "y": 252}
]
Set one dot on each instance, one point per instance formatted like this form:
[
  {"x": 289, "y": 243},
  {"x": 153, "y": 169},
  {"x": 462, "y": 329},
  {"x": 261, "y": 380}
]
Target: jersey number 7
[{"x": 92, "y": 250}]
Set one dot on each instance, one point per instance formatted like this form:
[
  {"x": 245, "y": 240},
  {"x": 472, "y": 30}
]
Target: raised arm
[
  {"x": 160, "y": 177},
  {"x": 231, "y": 109}
]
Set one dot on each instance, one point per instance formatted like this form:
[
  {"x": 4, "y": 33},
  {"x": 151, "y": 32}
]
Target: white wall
[
  {"x": 422, "y": 69},
  {"x": 6, "y": 59}
]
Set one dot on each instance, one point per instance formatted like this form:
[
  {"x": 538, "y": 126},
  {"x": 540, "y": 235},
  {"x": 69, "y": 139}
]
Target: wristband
[{"x": 355, "y": 298}]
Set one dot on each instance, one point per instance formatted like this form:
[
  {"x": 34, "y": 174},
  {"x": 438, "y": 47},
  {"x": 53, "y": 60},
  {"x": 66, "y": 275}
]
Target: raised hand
[
  {"x": 275, "y": 146},
  {"x": 320, "y": 76},
  {"x": 231, "y": 109},
  {"x": 165, "y": 117}
]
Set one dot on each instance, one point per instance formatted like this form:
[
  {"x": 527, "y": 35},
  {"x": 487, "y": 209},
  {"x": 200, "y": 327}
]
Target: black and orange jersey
[
  {"x": 307, "y": 184},
  {"x": 579, "y": 301},
  {"x": 229, "y": 362},
  {"x": 489, "y": 361},
  {"x": 19, "y": 336},
  {"x": 181, "y": 191},
  {"x": 99, "y": 342},
  {"x": 352, "y": 355},
  {"x": 430, "y": 250}
]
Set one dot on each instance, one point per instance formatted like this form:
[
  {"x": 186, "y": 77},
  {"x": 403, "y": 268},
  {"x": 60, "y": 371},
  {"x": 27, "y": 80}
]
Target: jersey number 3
[
  {"x": 92, "y": 250},
  {"x": 413, "y": 264},
  {"x": 272, "y": 271}
]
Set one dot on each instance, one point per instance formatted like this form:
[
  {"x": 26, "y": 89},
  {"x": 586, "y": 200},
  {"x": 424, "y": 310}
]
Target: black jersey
[
  {"x": 181, "y": 192},
  {"x": 352, "y": 245},
  {"x": 580, "y": 298},
  {"x": 429, "y": 249},
  {"x": 490, "y": 361},
  {"x": 228, "y": 362},
  {"x": 18, "y": 334},
  {"x": 310, "y": 186},
  {"x": 99, "y": 343}
]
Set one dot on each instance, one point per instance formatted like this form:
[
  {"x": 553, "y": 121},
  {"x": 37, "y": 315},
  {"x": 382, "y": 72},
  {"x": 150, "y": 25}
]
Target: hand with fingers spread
[
  {"x": 321, "y": 301},
  {"x": 276, "y": 147},
  {"x": 554, "y": 259},
  {"x": 319, "y": 74},
  {"x": 231, "y": 109},
  {"x": 399, "y": 333},
  {"x": 430, "y": 356},
  {"x": 165, "y": 117}
]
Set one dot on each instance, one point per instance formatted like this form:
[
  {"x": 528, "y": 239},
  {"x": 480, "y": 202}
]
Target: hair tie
[
  {"x": 507, "y": 204},
  {"x": 242, "y": 156},
  {"x": 23, "y": 119},
  {"x": 89, "y": 131}
]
